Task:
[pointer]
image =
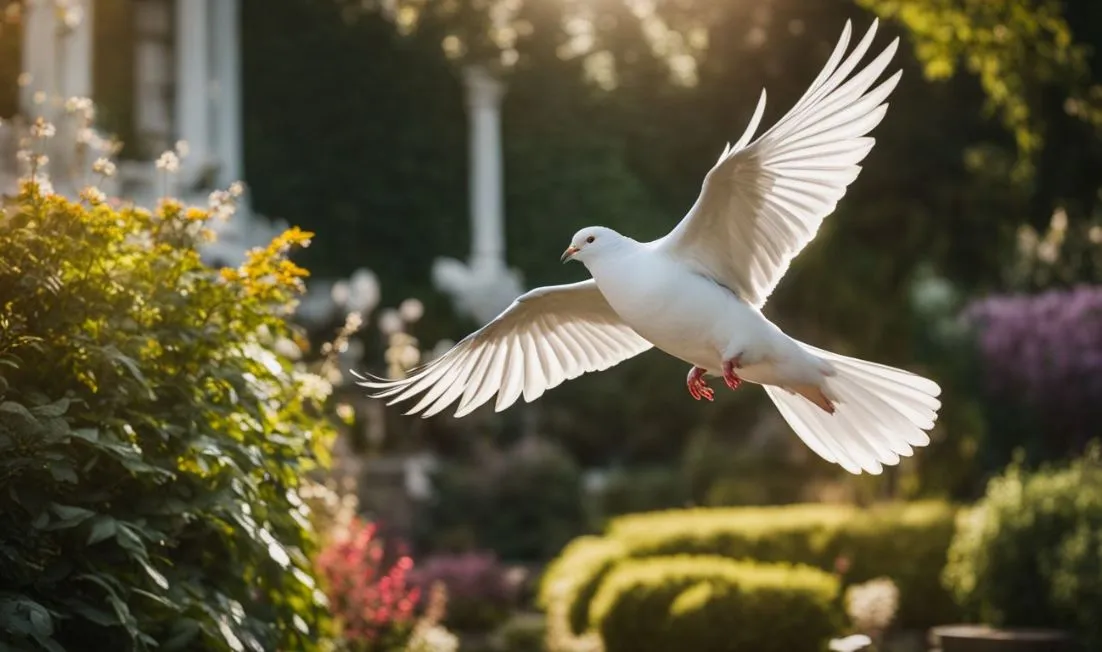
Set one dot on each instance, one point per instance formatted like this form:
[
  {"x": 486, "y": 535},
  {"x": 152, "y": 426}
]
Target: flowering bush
[
  {"x": 480, "y": 592},
  {"x": 374, "y": 606},
  {"x": 152, "y": 439},
  {"x": 1045, "y": 352}
]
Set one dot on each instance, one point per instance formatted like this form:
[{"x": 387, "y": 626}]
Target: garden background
[{"x": 186, "y": 464}]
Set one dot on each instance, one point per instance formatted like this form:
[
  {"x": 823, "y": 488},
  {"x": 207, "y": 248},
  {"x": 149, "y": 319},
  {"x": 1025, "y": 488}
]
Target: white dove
[{"x": 697, "y": 293}]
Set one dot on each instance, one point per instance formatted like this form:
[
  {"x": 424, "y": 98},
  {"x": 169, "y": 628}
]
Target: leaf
[
  {"x": 103, "y": 528},
  {"x": 183, "y": 633},
  {"x": 23, "y": 616},
  {"x": 70, "y": 516},
  {"x": 161, "y": 600},
  {"x": 94, "y": 614},
  {"x": 130, "y": 365},
  {"x": 107, "y": 582},
  {"x": 63, "y": 472},
  {"x": 90, "y": 435},
  {"x": 19, "y": 412},
  {"x": 56, "y": 409},
  {"x": 154, "y": 574}
]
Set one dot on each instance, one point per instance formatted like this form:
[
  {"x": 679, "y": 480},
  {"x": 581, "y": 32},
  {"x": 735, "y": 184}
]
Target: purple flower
[{"x": 1044, "y": 350}]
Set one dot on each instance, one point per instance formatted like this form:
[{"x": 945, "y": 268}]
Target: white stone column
[
  {"x": 484, "y": 286},
  {"x": 193, "y": 85},
  {"x": 153, "y": 75},
  {"x": 76, "y": 50},
  {"x": 40, "y": 60},
  {"x": 227, "y": 70},
  {"x": 484, "y": 95}
]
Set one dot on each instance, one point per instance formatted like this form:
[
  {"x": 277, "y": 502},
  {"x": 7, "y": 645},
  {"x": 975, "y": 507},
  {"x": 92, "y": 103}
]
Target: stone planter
[{"x": 981, "y": 638}]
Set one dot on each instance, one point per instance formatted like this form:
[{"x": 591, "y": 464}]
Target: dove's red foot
[
  {"x": 729, "y": 375},
  {"x": 698, "y": 387}
]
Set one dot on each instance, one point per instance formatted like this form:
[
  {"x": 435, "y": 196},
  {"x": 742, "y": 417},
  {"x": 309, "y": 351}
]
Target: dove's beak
[{"x": 568, "y": 254}]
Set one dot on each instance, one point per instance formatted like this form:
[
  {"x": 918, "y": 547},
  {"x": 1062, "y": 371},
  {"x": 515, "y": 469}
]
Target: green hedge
[
  {"x": 574, "y": 576},
  {"x": 713, "y": 604},
  {"x": 906, "y": 542},
  {"x": 1030, "y": 553},
  {"x": 152, "y": 441}
]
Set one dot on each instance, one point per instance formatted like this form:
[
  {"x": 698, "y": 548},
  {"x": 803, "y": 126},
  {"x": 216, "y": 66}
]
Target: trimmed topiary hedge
[
  {"x": 713, "y": 604},
  {"x": 906, "y": 542}
]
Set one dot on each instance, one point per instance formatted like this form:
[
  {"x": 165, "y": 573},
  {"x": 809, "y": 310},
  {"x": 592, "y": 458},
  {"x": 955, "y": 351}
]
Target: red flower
[{"x": 374, "y": 607}]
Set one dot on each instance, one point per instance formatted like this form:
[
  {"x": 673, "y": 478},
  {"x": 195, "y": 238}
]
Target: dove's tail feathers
[{"x": 880, "y": 413}]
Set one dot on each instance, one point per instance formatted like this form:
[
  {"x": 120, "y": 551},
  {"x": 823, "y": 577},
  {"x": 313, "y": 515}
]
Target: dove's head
[{"x": 591, "y": 242}]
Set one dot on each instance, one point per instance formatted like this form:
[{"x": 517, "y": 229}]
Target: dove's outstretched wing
[
  {"x": 763, "y": 201},
  {"x": 546, "y": 336}
]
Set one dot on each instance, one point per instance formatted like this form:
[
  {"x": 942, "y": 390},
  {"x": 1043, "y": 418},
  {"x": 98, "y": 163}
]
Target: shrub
[
  {"x": 479, "y": 591},
  {"x": 374, "y": 605},
  {"x": 712, "y": 604},
  {"x": 866, "y": 543},
  {"x": 523, "y": 632},
  {"x": 524, "y": 504},
  {"x": 152, "y": 442},
  {"x": 633, "y": 490},
  {"x": 573, "y": 578},
  {"x": 1030, "y": 553}
]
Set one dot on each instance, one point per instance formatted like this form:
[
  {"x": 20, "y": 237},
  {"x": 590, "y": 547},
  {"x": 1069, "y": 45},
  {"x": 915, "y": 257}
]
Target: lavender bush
[
  {"x": 480, "y": 589},
  {"x": 1044, "y": 353}
]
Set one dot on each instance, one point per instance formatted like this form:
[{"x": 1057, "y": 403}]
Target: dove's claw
[
  {"x": 729, "y": 375},
  {"x": 698, "y": 387}
]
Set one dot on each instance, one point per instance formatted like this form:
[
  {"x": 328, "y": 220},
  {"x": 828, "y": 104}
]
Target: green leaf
[
  {"x": 70, "y": 516},
  {"x": 129, "y": 540},
  {"x": 161, "y": 600},
  {"x": 55, "y": 409},
  {"x": 154, "y": 574},
  {"x": 22, "y": 414},
  {"x": 102, "y": 528},
  {"x": 184, "y": 631},
  {"x": 87, "y": 434},
  {"x": 131, "y": 366},
  {"x": 25, "y": 617},
  {"x": 63, "y": 472},
  {"x": 94, "y": 614}
]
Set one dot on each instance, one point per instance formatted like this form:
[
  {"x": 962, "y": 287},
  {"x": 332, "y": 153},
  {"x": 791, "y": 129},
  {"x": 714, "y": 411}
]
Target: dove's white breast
[{"x": 689, "y": 316}]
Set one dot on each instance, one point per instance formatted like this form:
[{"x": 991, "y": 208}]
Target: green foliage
[
  {"x": 713, "y": 604},
  {"x": 865, "y": 543},
  {"x": 524, "y": 505},
  {"x": 629, "y": 491},
  {"x": 1012, "y": 47},
  {"x": 1030, "y": 552},
  {"x": 523, "y": 633},
  {"x": 151, "y": 440}
]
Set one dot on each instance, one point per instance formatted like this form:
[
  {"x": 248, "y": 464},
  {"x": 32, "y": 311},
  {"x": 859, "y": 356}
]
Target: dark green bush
[
  {"x": 629, "y": 491},
  {"x": 523, "y": 632},
  {"x": 713, "y": 604},
  {"x": 151, "y": 441},
  {"x": 864, "y": 543},
  {"x": 524, "y": 504},
  {"x": 1030, "y": 553}
]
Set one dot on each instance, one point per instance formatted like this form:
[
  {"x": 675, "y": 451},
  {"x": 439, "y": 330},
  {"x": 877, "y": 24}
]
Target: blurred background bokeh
[{"x": 442, "y": 152}]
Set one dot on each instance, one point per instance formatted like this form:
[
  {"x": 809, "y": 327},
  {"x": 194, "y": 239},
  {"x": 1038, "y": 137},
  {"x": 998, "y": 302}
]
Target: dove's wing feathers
[
  {"x": 546, "y": 336},
  {"x": 764, "y": 201}
]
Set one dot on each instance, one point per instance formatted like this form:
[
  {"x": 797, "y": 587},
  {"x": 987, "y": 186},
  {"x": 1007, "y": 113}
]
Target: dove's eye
[{"x": 590, "y": 239}]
